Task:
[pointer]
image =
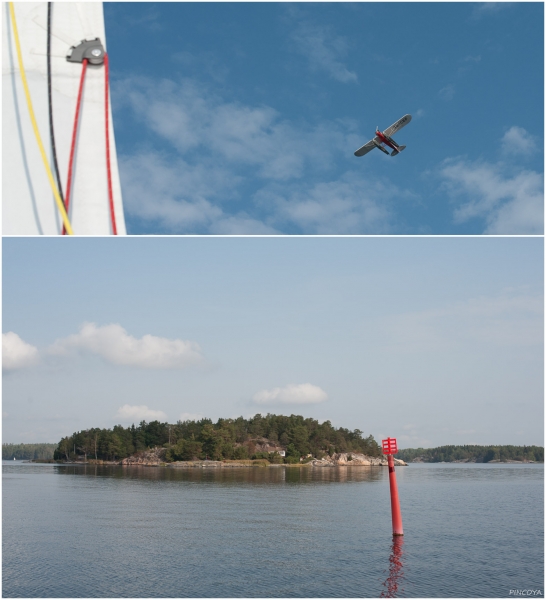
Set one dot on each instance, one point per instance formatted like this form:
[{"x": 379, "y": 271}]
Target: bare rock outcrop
[
  {"x": 265, "y": 445},
  {"x": 348, "y": 459},
  {"x": 153, "y": 457}
]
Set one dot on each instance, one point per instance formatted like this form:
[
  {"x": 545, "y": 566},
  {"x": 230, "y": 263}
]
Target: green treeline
[
  {"x": 481, "y": 454},
  {"x": 227, "y": 439},
  {"x": 28, "y": 451}
]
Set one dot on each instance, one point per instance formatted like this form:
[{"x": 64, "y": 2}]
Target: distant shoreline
[
  {"x": 226, "y": 464},
  {"x": 474, "y": 453}
]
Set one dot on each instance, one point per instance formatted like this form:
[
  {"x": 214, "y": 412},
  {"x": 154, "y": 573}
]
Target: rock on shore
[
  {"x": 353, "y": 459},
  {"x": 153, "y": 457}
]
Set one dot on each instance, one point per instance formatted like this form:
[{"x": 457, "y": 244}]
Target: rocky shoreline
[
  {"x": 156, "y": 457},
  {"x": 352, "y": 459}
]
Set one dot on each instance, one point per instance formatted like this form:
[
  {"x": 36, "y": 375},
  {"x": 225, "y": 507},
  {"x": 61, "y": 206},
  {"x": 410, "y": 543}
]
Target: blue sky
[
  {"x": 430, "y": 340},
  {"x": 243, "y": 117}
]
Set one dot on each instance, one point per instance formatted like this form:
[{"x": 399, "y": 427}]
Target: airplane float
[{"x": 385, "y": 138}]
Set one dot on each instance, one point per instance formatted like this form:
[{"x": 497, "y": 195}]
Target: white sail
[{"x": 28, "y": 204}]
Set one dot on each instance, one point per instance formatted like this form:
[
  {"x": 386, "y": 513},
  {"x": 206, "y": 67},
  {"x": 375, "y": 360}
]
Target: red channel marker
[{"x": 390, "y": 448}]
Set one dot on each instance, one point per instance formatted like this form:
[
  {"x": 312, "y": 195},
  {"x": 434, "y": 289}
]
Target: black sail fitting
[{"x": 92, "y": 50}]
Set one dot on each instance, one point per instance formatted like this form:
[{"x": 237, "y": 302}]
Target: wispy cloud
[
  {"x": 518, "y": 141},
  {"x": 16, "y": 353},
  {"x": 186, "y": 416},
  {"x": 184, "y": 198},
  {"x": 324, "y": 50},
  {"x": 447, "y": 92},
  {"x": 149, "y": 19},
  {"x": 510, "y": 204},
  {"x": 485, "y": 9},
  {"x": 202, "y": 62},
  {"x": 348, "y": 205},
  {"x": 174, "y": 194},
  {"x": 128, "y": 413},
  {"x": 192, "y": 118},
  {"x": 303, "y": 393},
  {"x": 511, "y": 318},
  {"x": 222, "y": 152},
  {"x": 507, "y": 196},
  {"x": 116, "y": 346}
]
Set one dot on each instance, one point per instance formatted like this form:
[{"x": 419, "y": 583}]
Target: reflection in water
[
  {"x": 396, "y": 572},
  {"x": 227, "y": 476}
]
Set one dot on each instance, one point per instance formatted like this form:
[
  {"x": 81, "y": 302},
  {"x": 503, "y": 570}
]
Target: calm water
[{"x": 470, "y": 531}]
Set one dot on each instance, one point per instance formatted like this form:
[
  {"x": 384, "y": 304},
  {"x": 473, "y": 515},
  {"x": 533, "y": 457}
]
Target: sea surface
[{"x": 471, "y": 530}]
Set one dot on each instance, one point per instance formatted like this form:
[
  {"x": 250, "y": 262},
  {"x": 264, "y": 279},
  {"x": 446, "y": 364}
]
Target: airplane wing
[
  {"x": 365, "y": 149},
  {"x": 390, "y": 131}
]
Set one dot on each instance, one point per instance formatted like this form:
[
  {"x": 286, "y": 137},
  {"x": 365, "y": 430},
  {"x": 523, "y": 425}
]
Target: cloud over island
[
  {"x": 16, "y": 353},
  {"x": 115, "y": 345},
  {"x": 128, "y": 413},
  {"x": 303, "y": 393},
  {"x": 110, "y": 342}
]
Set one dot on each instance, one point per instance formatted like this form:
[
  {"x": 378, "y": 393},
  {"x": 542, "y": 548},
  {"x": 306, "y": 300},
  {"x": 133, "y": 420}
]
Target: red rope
[
  {"x": 74, "y": 135},
  {"x": 108, "y": 169},
  {"x": 73, "y": 145}
]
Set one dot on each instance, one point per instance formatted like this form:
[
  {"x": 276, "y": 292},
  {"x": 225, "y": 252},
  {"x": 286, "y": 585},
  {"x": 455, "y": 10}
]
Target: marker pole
[{"x": 397, "y": 528}]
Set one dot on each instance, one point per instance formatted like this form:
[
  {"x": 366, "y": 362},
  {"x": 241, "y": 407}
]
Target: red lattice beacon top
[{"x": 389, "y": 446}]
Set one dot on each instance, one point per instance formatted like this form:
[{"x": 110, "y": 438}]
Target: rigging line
[
  {"x": 108, "y": 169},
  {"x": 74, "y": 135},
  {"x": 50, "y": 104},
  {"x": 60, "y": 204}
]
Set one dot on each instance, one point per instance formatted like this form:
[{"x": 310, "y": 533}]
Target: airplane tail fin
[{"x": 398, "y": 150}]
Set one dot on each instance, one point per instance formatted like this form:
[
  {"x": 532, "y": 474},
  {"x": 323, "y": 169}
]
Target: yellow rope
[{"x": 58, "y": 200}]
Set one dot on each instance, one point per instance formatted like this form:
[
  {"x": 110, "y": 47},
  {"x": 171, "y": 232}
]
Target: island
[{"x": 269, "y": 440}]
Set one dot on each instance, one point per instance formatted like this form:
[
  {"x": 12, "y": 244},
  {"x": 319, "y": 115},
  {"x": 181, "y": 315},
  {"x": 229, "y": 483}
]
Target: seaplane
[{"x": 384, "y": 137}]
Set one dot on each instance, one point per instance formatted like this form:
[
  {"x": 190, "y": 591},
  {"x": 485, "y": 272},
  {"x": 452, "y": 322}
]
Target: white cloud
[
  {"x": 180, "y": 196},
  {"x": 349, "y": 205},
  {"x": 16, "y": 353},
  {"x": 185, "y": 416},
  {"x": 447, "y": 92},
  {"x": 171, "y": 191},
  {"x": 115, "y": 345},
  {"x": 303, "y": 393},
  {"x": 324, "y": 50},
  {"x": 191, "y": 117},
  {"x": 518, "y": 141},
  {"x": 128, "y": 413},
  {"x": 186, "y": 199},
  {"x": 510, "y": 204}
]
